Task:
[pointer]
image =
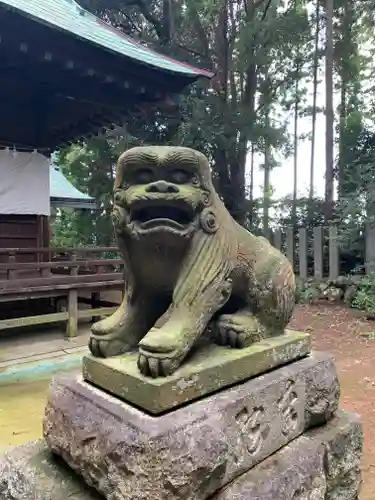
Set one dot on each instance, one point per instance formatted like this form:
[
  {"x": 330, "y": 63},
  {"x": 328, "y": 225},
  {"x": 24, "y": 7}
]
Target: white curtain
[{"x": 24, "y": 183}]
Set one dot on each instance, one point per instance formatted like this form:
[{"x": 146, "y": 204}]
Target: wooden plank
[
  {"x": 57, "y": 264},
  {"x": 302, "y": 253},
  {"x": 72, "y": 325},
  {"x": 277, "y": 239},
  {"x": 5, "y": 324},
  {"x": 98, "y": 311},
  {"x": 78, "y": 250},
  {"x": 11, "y": 274},
  {"x": 290, "y": 245},
  {"x": 14, "y": 347},
  {"x": 56, "y": 281},
  {"x": 57, "y": 291},
  {"x": 318, "y": 252},
  {"x": 334, "y": 253}
]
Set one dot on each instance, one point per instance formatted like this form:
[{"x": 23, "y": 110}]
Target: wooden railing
[
  {"x": 62, "y": 273},
  {"x": 316, "y": 252}
]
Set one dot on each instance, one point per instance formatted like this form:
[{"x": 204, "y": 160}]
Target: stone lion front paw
[
  {"x": 102, "y": 326},
  {"x": 160, "y": 354},
  {"x": 156, "y": 364},
  {"x": 106, "y": 346}
]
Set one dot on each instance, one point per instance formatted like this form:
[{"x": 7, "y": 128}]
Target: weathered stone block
[
  {"x": 191, "y": 452},
  {"x": 208, "y": 370},
  {"x": 323, "y": 464},
  {"x": 31, "y": 472},
  {"x": 343, "y": 440}
]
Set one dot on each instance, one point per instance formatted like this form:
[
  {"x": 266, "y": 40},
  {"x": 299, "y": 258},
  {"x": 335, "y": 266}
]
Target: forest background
[{"x": 273, "y": 61}]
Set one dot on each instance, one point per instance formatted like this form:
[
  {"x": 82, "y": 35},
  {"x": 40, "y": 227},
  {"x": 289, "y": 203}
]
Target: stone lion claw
[
  {"x": 161, "y": 351},
  {"x": 156, "y": 364},
  {"x": 106, "y": 346}
]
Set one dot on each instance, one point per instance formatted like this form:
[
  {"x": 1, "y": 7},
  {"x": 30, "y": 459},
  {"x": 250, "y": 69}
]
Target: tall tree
[
  {"x": 251, "y": 187},
  {"x": 248, "y": 35},
  {"x": 349, "y": 68},
  {"x": 267, "y": 178},
  {"x": 329, "y": 136},
  {"x": 314, "y": 107},
  {"x": 295, "y": 146}
]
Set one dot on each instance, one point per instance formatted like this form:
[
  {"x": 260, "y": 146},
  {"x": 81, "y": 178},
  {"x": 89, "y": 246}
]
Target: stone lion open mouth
[{"x": 158, "y": 215}]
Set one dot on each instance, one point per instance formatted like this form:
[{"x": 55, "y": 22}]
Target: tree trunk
[
  {"x": 347, "y": 87},
  {"x": 313, "y": 126},
  {"x": 251, "y": 189},
  {"x": 267, "y": 184},
  {"x": 342, "y": 136},
  {"x": 295, "y": 159},
  {"x": 329, "y": 112}
]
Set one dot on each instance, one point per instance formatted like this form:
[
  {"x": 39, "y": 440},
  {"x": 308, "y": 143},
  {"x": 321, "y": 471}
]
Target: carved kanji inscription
[
  {"x": 253, "y": 427},
  {"x": 287, "y": 406}
]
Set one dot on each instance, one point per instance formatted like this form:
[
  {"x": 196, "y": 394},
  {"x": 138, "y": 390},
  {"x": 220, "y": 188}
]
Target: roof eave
[
  {"x": 192, "y": 76},
  {"x": 80, "y": 204}
]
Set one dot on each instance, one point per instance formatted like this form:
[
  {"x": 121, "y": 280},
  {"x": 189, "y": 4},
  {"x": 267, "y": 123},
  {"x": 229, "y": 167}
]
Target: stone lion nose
[{"x": 162, "y": 187}]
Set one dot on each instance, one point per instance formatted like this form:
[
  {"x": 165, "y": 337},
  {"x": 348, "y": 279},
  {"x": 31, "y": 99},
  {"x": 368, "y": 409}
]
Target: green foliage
[
  {"x": 304, "y": 207},
  {"x": 364, "y": 299},
  {"x": 263, "y": 55},
  {"x": 252, "y": 52},
  {"x": 356, "y": 208},
  {"x": 306, "y": 292},
  {"x": 90, "y": 168}
]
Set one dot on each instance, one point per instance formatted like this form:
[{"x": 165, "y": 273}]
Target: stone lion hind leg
[
  {"x": 122, "y": 331},
  {"x": 274, "y": 306},
  {"x": 239, "y": 329}
]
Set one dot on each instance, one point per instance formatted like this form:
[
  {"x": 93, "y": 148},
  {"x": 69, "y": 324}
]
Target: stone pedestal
[
  {"x": 276, "y": 436},
  {"x": 323, "y": 464},
  {"x": 191, "y": 452}
]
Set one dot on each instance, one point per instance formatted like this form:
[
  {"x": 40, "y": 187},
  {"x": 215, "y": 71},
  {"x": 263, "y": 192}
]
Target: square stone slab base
[
  {"x": 191, "y": 452},
  {"x": 210, "y": 369},
  {"x": 323, "y": 464}
]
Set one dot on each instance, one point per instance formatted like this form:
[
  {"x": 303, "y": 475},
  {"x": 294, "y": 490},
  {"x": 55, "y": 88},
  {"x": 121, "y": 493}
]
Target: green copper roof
[
  {"x": 64, "y": 194},
  {"x": 68, "y": 16}
]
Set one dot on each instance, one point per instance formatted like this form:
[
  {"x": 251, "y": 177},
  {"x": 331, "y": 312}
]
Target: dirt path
[{"x": 337, "y": 330}]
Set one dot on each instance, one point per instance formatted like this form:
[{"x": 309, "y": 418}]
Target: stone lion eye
[
  {"x": 195, "y": 180},
  {"x": 144, "y": 176},
  {"x": 179, "y": 176}
]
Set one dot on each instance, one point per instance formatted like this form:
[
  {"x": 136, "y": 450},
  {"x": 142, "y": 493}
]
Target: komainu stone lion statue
[{"x": 188, "y": 264}]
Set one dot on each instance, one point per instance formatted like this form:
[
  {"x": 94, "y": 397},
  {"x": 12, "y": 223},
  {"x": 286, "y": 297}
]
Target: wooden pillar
[
  {"x": 290, "y": 244},
  {"x": 318, "y": 252},
  {"x": 72, "y": 325},
  {"x": 302, "y": 253},
  {"x": 12, "y": 273},
  {"x": 334, "y": 254},
  {"x": 277, "y": 239}
]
